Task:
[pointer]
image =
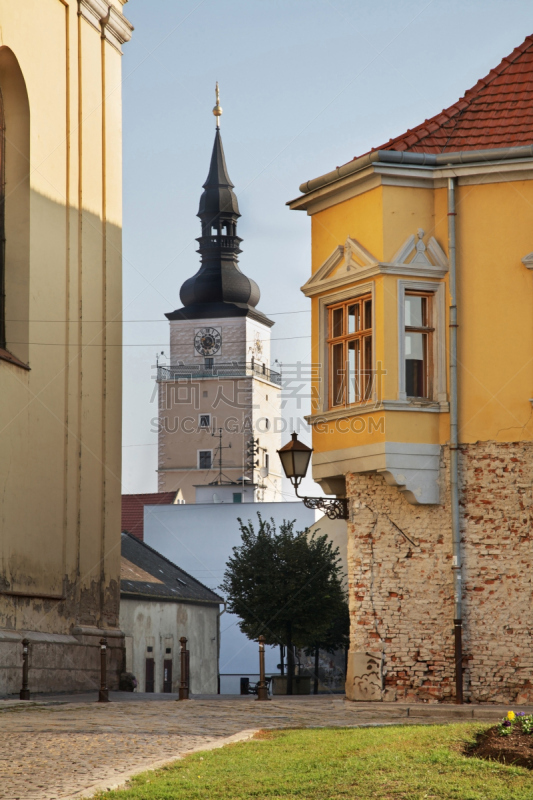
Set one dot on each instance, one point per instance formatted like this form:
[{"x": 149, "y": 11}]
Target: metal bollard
[
  {"x": 262, "y": 688},
  {"x": 184, "y": 681},
  {"x": 25, "y": 692},
  {"x": 103, "y": 695}
]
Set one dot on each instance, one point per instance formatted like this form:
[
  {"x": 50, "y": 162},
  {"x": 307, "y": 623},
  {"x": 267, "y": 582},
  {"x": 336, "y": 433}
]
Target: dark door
[
  {"x": 149, "y": 680},
  {"x": 167, "y": 675}
]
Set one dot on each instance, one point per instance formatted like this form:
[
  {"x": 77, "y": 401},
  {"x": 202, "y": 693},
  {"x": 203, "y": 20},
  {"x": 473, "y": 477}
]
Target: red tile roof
[
  {"x": 133, "y": 510},
  {"x": 496, "y": 112}
]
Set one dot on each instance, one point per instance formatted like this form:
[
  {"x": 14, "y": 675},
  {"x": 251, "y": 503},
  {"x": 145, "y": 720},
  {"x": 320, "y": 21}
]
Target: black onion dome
[
  {"x": 226, "y": 284},
  {"x": 219, "y": 288}
]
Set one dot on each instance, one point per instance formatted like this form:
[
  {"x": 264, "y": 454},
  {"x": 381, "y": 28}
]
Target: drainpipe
[{"x": 454, "y": 453}]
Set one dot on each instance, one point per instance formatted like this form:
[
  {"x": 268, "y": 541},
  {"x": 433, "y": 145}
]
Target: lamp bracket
[{"x": 332, "y": 508}]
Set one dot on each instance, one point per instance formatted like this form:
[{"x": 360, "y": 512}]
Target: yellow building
[
  {"x": 422, "y": 327},
  {"x": 60, "y": 338}
]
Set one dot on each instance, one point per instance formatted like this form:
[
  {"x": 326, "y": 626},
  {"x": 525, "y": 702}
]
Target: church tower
[{"x": 219, "y": 401}]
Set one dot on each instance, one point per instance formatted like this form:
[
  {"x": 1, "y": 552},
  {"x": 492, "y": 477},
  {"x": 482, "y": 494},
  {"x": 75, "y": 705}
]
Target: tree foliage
[{"x": 285, "y": 584}]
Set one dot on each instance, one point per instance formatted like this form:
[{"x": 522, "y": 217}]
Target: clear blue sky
[{"x": 306, "y": 85}]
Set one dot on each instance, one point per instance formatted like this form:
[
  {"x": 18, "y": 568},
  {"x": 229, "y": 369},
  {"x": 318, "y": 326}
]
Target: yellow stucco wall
[
  {"x": 60, "y": 422},
  {"x": 359, "y": 217},
  {"x": 495, "y": 305}
]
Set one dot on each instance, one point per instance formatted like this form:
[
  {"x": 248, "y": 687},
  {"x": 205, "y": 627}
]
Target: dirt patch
[
  {"x": 263, "y": 734},
  {"x": 515, "y": 749}
]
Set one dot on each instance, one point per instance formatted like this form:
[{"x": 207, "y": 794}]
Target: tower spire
[
  {"x": 217, "y": 111},
  {"x": 219, "y": 288}
]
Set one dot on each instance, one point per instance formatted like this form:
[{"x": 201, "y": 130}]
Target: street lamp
[{"x": 295, "y": 457}]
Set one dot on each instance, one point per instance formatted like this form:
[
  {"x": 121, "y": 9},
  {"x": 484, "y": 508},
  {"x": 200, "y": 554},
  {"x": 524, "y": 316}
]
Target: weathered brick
[{"x": 401, "y": 595}]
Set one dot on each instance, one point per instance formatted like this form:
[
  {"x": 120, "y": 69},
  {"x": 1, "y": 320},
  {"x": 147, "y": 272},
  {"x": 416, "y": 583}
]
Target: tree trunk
[
  {"x": 317, "y": 654},
  {"x": 290, "y": 661},
  {"x": 281, "y": 657}
]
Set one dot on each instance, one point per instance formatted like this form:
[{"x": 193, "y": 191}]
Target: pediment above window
[
  {"x": 527, "y": 261},
  {"x": 351, "y": 262}
]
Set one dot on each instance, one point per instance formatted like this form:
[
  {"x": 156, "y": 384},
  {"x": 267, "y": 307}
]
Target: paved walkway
[{"x": 71, "y": 747}]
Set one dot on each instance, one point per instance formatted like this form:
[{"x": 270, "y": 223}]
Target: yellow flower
[{"x": 510, "y": 715}]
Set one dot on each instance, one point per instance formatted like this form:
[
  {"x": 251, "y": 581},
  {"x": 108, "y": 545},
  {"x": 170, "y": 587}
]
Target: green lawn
[{"x": 391, "y": 763}]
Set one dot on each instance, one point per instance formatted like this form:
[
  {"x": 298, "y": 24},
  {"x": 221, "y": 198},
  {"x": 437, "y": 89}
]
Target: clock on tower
[{"x": 207, "y": 341}]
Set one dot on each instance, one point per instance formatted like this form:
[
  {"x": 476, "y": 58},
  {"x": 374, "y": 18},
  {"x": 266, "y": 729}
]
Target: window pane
[
  {"x": 204, "y": 459},
  {"x": 354, "y": 315},
  {"x": 338, "y": 374},
  {"x": 415, "y": 311},
  {"x": 368, "y": 314},
  {"x": 354, "y": 367},
  {"x": 415, "y": 364},
  {"x": 337, "y": 322},
  {"x": 368, "y": 366}
]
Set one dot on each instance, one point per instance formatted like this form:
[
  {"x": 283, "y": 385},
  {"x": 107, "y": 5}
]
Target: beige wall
[
  {"x": 240, "y": 406},
  {"x": 60, "y": 420}
]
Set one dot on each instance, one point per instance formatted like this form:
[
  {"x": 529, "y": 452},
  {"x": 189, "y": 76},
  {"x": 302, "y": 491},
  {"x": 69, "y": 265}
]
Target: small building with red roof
[{"x": 422, "y": 329}]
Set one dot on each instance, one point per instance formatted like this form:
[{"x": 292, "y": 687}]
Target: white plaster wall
[
  {"x": 266, "y": 416},
  {"x": 257, "y": 342},
  {"x": 160, "y": 625}
]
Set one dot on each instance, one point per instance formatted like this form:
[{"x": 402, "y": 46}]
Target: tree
[
  {"x": 336, "y": 637},
  {"x": 285, "y": 585}
]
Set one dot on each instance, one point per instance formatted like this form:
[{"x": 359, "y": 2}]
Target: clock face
[{"x": 207, "y": 341}]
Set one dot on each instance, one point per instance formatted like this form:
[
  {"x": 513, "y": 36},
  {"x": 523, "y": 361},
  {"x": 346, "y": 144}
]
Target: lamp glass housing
[
  {"x": 301, "y": 462},
  {"x": 295, "y": 457}
]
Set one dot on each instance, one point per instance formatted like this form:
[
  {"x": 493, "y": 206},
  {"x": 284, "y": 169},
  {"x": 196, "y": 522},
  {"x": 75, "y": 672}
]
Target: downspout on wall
[{"x": 454, "y": 453}]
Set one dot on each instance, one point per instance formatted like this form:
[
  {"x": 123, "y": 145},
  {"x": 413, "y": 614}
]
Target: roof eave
[
  {"x": 165, "y": 598},
  {"x": 409, "y": 159}
]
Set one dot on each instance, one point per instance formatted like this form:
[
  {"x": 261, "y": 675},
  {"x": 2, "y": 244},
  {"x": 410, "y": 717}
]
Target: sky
[{"x": 305, "y": 85}]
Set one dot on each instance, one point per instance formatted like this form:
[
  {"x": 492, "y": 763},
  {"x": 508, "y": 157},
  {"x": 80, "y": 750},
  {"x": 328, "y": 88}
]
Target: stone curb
[{"x": 109, "y": 785}]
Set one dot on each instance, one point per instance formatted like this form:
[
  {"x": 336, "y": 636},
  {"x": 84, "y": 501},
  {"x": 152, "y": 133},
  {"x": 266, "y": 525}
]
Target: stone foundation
[
  {"x": 400, "y": 583},
  {"x": 60, "y": 663}
]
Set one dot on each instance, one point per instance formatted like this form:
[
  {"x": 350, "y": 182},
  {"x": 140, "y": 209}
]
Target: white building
[
  {"x": 200, "y": 538},
  {"x": 160, "y": 603}
]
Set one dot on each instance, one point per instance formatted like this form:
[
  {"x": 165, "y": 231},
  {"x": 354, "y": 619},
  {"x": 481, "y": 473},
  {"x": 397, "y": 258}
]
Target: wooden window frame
[
  {"x": 364, "y": 372},
  {"x": 429, "y": 331}
]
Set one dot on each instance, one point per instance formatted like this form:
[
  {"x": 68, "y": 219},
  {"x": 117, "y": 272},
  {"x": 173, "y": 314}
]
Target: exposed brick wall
[{"x": 401, "y": 597}]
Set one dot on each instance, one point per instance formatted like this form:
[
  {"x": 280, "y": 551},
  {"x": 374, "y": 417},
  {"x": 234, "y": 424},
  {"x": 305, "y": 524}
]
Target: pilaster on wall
[
  {"x": 103, "y": 16},
  {"x": 400, "y": 583}
]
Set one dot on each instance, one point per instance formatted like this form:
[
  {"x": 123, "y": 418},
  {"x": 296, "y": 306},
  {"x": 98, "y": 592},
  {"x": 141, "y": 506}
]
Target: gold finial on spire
[{"x": 217, "y": 111}]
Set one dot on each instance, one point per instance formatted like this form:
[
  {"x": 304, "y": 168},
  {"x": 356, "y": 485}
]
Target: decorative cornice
[
  {"x": 371, "y": 172},
  {"x": 105, "y": 18}
]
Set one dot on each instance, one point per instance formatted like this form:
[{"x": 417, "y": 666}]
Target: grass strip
[{"x": 391, "y": 763}]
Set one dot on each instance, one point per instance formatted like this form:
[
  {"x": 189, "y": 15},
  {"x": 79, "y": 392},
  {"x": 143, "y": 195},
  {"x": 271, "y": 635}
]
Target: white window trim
[
  {"x": 204, "y": 427},
  {"x": 324, "y": 302},
  {"x": 439, "y": 338},
  {"x": 204, "y": 450}
]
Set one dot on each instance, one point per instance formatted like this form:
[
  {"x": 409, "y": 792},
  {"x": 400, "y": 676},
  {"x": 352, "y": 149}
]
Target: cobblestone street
[{"x": 71, "y": 749}]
